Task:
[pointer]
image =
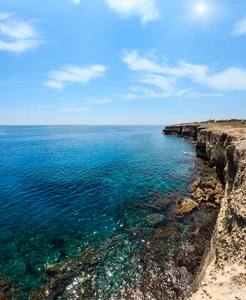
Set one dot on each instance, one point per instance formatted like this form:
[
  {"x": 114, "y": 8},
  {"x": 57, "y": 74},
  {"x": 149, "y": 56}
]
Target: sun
[
  {"x": 201, "y": 14},
  {"x": 201, "y": 9}
]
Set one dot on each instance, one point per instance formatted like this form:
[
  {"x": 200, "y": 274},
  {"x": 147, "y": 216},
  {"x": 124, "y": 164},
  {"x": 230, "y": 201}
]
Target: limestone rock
[
  {"x": 186, "y": 207},
  {"x": 223, "y": 145}
]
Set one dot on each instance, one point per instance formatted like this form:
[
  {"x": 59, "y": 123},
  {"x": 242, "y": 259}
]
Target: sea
[{"x": 65, "y": 189}]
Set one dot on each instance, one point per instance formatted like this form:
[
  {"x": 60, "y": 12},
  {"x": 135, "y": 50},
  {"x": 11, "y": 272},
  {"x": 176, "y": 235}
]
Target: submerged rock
[
  {"x": 186, "y": 207},
  {"x": 67, "y": 273},
  {"x": 83, "y": 291},
  {"x": 190, "y": 254},
  {"x": 174, "y": 284},
  {"x": 154, "y": 219},
  {"x": 9, "y": 290},
  {"x": 168, "y": 232},
  {"x": 160, "y": 204}
]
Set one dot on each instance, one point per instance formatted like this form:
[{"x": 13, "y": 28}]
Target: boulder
[{"x": 186, "y": 207}]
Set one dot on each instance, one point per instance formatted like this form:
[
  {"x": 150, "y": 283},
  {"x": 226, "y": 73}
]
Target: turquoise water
[{"x": 64, "y": 189}]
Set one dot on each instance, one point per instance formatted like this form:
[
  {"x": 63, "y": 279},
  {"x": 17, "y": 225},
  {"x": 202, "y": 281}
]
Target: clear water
[{"x": 66, "y": 188}]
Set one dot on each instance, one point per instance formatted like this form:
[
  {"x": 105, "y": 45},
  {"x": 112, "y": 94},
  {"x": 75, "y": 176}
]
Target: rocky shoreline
[
  {"x": 185, "y": 255},
  {"x": 222, "y": 273}
]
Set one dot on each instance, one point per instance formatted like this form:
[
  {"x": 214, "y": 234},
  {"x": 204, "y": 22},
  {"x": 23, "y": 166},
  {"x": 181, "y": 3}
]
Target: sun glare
[{"x": 201, "y": 9}]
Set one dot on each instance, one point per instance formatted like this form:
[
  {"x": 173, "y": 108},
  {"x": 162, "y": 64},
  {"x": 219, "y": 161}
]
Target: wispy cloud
[
  {"x": 194, "y": 95},
  {"x": 137, "y": 63},
  {"x": 4, "y": 15},
  {"x": 54, "y": 84},
  {"x": 240, "y": 28},
  {"x": 16, "y": 35},
  {"x": 72, "y": 74},
  {"x": 88, "y": 101},
  {"x": 167, "y": 78},
  {"x": 137, "y": 92},
  {"x": 76, "y": 109},
  {"x": 146, "y": 9},
  {"x": 98, "y": 101}
]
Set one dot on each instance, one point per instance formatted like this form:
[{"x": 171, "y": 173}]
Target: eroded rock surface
[
  {"x": 224, "y": 147},
  {"x": 186, "y": 207}
]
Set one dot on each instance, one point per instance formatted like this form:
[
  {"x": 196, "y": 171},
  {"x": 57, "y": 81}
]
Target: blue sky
[{"x": 122, "y": 61}]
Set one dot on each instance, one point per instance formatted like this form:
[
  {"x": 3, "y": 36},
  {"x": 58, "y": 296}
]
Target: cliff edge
[{"x": 222, "y": 273}]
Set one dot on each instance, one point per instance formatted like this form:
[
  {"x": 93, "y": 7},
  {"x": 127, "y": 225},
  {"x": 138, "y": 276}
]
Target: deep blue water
[{"x": 65, "y": 188}]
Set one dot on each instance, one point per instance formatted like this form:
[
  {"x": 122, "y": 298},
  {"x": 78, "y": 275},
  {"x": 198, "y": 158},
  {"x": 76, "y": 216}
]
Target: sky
[{"x": 121, "y": 62}]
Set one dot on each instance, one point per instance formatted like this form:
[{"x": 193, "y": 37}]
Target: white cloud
[
  {"x": 164, "y": 83},
  {"x": 146, "y": 9},
  {"x": 166, "y": 78},
  {"x": 54, "y": 84},
  {"x": 17, "y": 36},
  {"x": 137, "y": 63},
  {"x": 18, "y": 30},
  {"x": 76, "y": 109},
  {"x": 71, "y": 74},
  {"x": 18, "y": 46},
  {"x": 233, "y": 79},
  {"x": 240, "y": 28}
]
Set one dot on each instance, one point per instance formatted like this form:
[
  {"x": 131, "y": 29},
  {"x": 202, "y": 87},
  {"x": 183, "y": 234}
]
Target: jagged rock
[
  {"x": 204, "y": 191},
  {"x": 186, "y": 207},
  {"x": 211, "y": 205},
  {"x": 195, "y": 185},
  {"x": 153, "y": 220}
]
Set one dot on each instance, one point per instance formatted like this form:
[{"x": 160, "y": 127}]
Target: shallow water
[{"x": 64, "y": 189}]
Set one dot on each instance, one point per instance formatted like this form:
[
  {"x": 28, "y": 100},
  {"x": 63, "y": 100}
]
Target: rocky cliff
[{"x": 222, "y": 273}]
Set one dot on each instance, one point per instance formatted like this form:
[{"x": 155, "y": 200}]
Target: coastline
[
  {"x": 146, "y": 240},
  {"x": 222, "y": 272},
  {"x": 171, "y": 250}
]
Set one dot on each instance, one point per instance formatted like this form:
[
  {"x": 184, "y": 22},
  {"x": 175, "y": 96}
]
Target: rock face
[
  {"x": 188, "y": 130},
  {"x": 224, "y": 147}
]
